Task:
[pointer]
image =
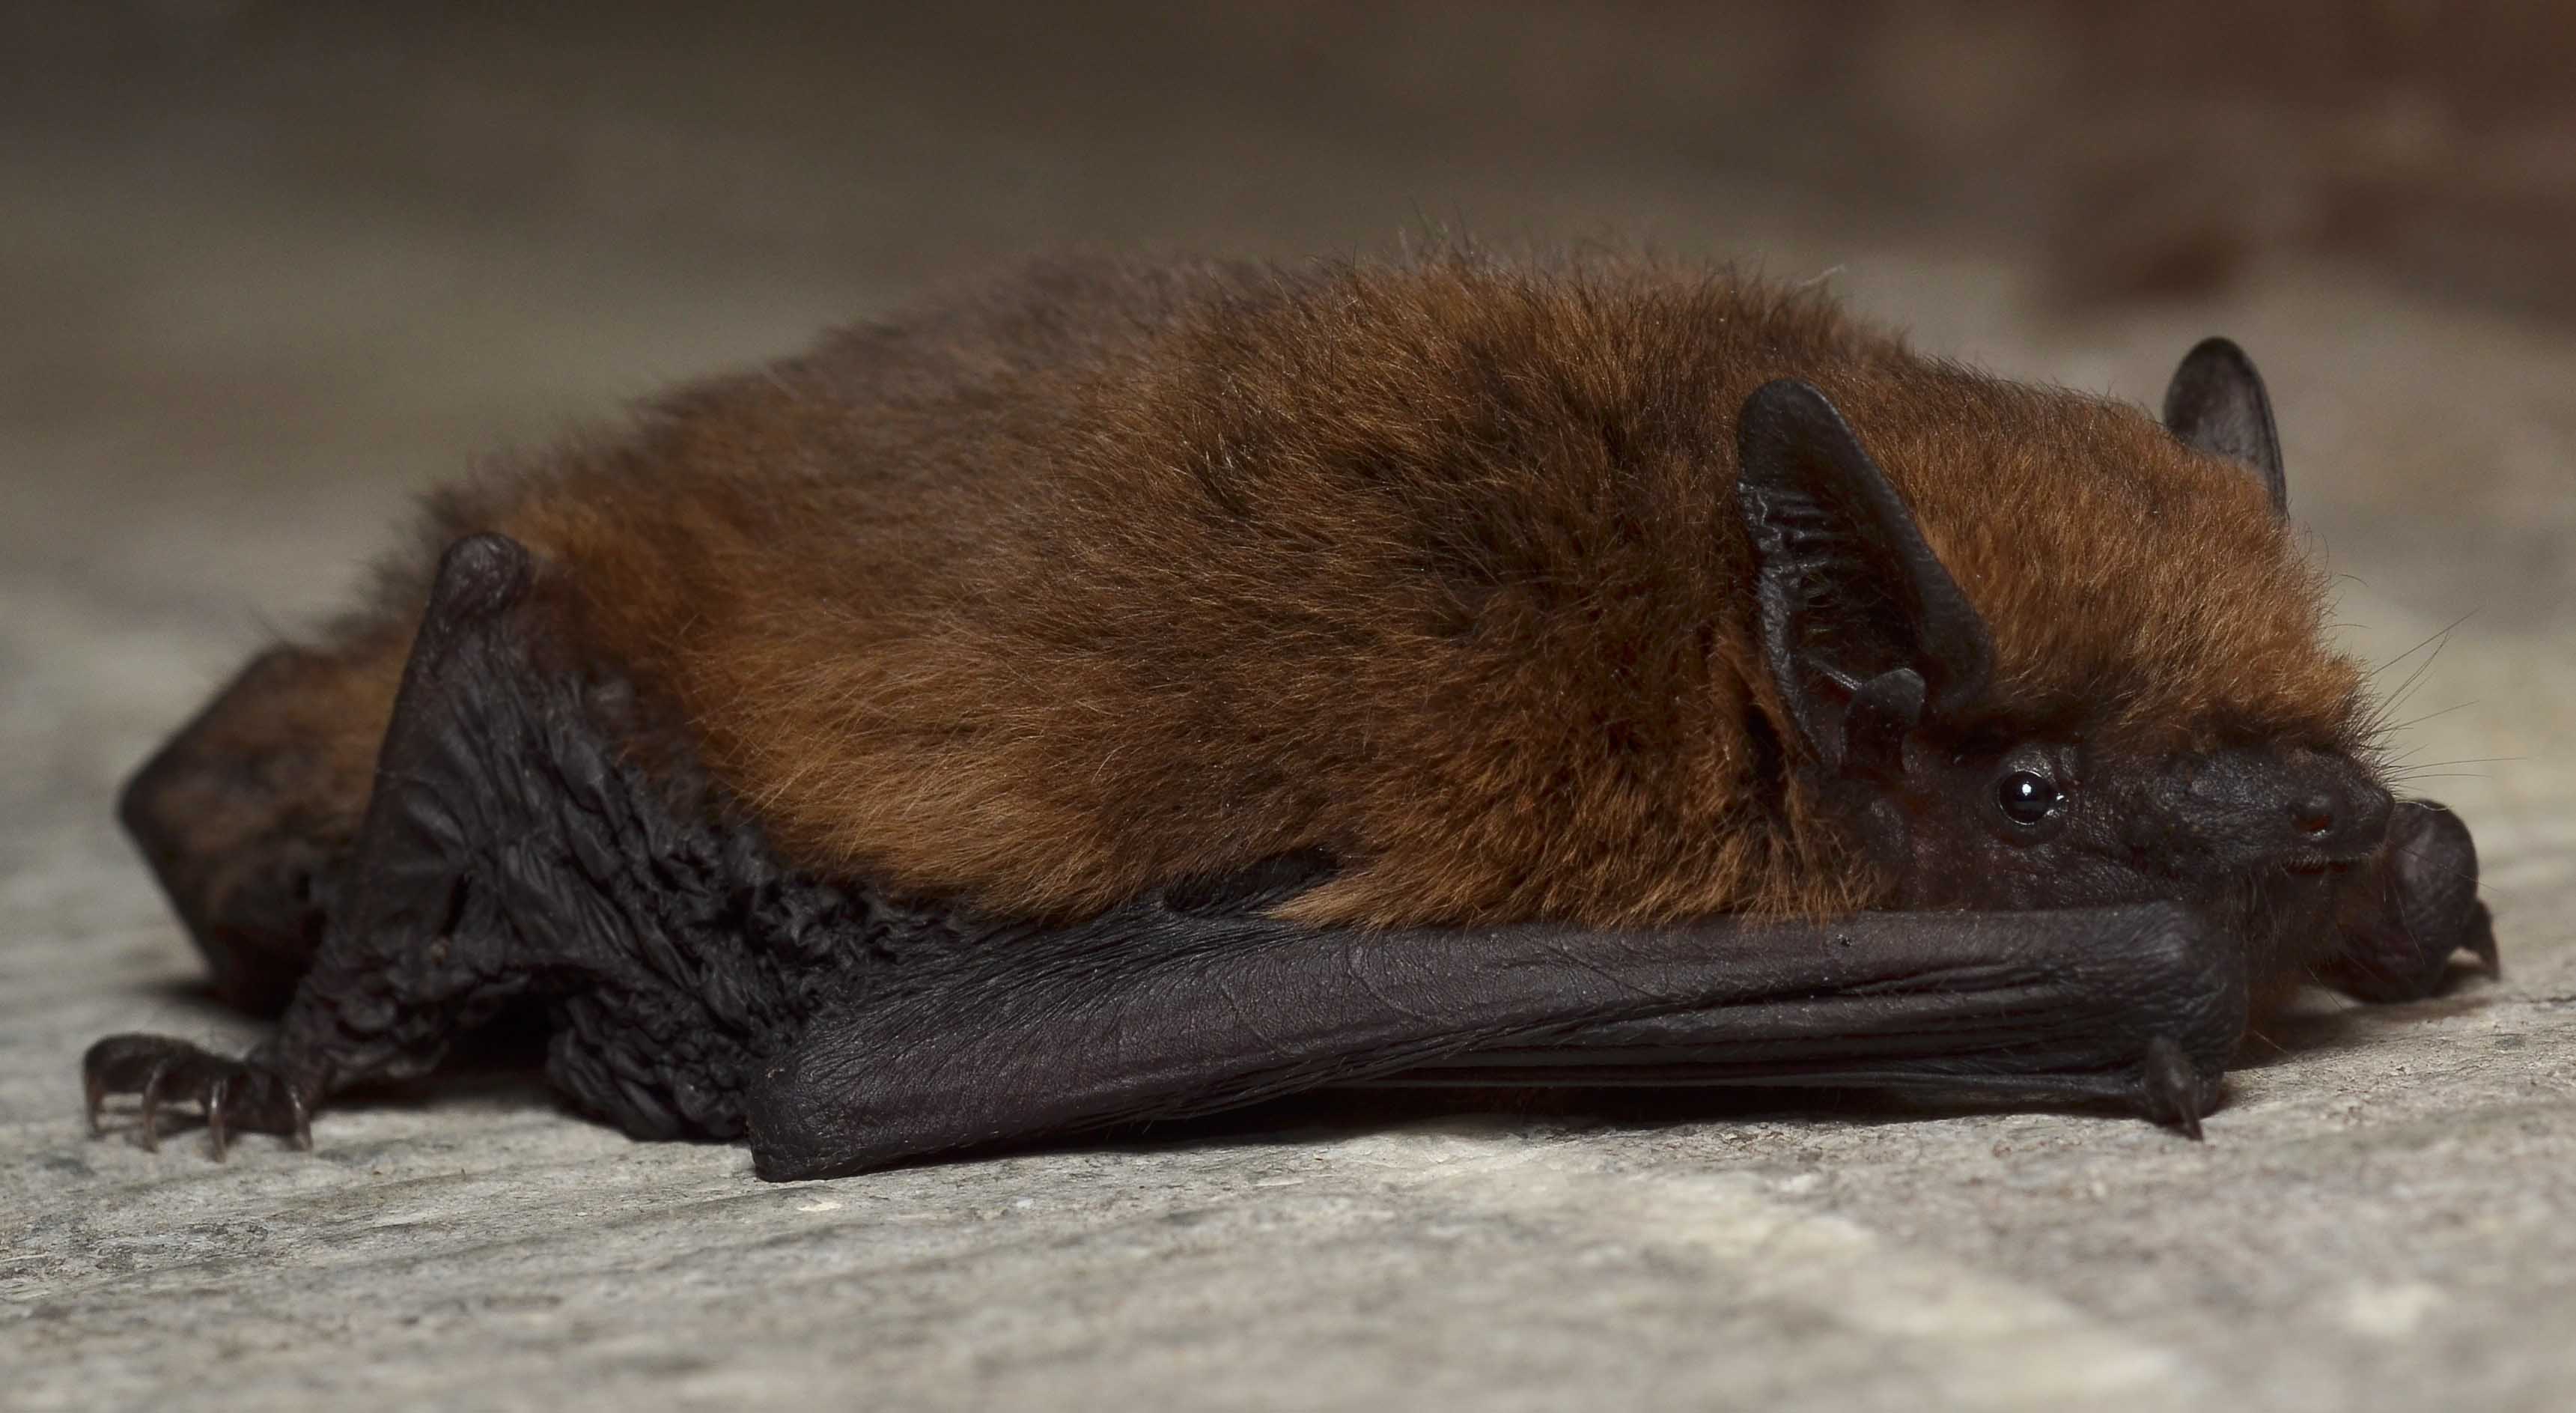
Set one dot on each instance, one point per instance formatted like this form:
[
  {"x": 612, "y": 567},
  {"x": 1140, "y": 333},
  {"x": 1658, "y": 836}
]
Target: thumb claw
[
  {"x": 216, "y": 1094},
  {"x": 2170, "y": 1088}
]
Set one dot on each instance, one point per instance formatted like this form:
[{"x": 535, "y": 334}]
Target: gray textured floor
[{"x": 235, "y": 356}]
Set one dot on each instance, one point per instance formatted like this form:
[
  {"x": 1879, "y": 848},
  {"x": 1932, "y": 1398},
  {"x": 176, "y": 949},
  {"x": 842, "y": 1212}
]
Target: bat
[{"x": 1126, "y": 691}]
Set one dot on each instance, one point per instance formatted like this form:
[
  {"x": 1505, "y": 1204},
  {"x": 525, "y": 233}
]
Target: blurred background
[
  {"x": 335, "y": 250},
  {"x": 269, "y": 269}
]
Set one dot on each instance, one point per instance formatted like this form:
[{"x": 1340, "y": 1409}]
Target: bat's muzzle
[{"x": 2242, "y": 812}]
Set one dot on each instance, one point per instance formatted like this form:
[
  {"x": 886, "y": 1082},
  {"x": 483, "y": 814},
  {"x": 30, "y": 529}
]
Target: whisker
[
  {"x": 2415, "y": 678},
  {"x": 2435, "y": 636},
  {"x": 2428, "y": 716},
  {"x": 2471, "y": 760}
]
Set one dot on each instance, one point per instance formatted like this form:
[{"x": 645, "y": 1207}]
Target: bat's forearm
[
  {"x": 2060, "y": 1000},
  {"x": 1204, "y": 1014}
]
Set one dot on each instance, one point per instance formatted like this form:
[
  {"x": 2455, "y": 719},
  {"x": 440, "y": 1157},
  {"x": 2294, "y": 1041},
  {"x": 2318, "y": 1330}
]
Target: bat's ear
[
  {"x": 2216, "y": 404},
  {"x": 1864, "y": 631}
]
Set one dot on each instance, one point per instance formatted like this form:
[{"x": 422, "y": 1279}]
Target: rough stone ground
[{"x": 262, "y": 297}]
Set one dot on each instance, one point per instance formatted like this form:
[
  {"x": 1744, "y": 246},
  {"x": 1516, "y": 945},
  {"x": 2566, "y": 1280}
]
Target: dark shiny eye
[{"x": 2028, "y": 798}]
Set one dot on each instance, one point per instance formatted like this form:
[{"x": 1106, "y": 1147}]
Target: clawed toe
[
  {"x": 2480, "y": 942},
  {"x": 2170, "y": 1088},
  {"x": 232, "y": 1094}
]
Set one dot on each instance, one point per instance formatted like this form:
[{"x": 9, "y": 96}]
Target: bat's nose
[
  {"x": 2276, "y": 807},
  {"x": 2341, "y": 820}
]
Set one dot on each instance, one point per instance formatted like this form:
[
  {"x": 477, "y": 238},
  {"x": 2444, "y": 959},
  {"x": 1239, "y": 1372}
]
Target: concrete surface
[{"x": 256, "y": 306}]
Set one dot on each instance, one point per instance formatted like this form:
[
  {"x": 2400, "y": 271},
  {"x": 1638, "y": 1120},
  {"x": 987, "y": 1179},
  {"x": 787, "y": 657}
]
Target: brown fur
[
  {"x": 299, "y": 729},
  {"x": 1109, "y": 575}
]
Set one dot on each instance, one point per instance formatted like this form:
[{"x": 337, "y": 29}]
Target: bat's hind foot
[
  {"x": 234, "y": 1095},
  {"x": 415, "y": 938},
  {"x": 514, "y": 857}
]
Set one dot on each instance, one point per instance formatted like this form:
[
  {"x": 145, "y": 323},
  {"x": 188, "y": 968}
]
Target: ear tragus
[
  {"x": 1881, "y": 714},
  {"x": 2216, "y": 404},
  {"x": 1851, "y": 595}
]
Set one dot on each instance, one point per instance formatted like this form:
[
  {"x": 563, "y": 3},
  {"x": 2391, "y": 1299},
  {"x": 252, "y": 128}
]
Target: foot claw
[
  {"x": 234, "y": 1095},
  {"x": 152, "y": 1106},
  {"x": 2171, "y": 1087},
  {"x": 2481, "y": 944},
  {"x": 215, "y": 1137}
]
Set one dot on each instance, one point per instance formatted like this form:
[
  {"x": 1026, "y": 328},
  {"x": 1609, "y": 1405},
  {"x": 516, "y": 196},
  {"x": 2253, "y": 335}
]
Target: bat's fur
[{"x": 1068, "y": 587}]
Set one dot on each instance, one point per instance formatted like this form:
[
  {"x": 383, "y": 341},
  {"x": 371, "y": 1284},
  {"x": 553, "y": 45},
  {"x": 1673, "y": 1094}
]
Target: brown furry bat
[{"x": 1130, "y": 692}]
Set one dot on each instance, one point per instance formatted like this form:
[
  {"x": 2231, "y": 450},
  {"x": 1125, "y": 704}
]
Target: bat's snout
[{"x": 2263, "y": 808}]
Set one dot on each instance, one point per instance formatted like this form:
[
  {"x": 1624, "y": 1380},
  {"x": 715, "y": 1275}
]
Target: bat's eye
[{"x": 2028, "y": 798}]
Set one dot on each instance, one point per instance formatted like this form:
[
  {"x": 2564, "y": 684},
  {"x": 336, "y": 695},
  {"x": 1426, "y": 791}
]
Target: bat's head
[{"x": 2063, "y": 669}]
